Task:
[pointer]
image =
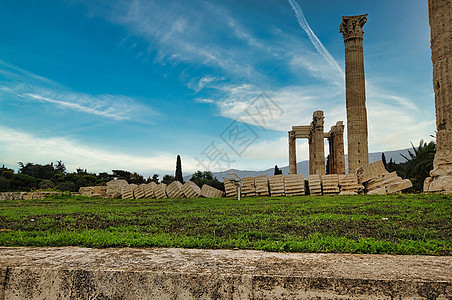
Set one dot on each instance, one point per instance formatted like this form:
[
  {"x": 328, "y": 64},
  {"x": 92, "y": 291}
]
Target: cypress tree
[
  {"x": 178, "y": 174},
  {"x": 277, "y": 170}
]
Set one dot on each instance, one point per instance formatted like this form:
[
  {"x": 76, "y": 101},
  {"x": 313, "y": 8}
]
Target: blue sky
[{"x": 128, "y": 85}]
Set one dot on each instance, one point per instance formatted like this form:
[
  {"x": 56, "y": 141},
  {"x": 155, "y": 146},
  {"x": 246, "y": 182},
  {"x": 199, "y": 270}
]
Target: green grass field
[{"x": 396, "y": 224}]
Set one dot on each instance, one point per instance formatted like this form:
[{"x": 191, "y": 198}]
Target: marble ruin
[
  {"x": 230, "y": 189},
  {"x": 377, "y": 180},
  {"x": 248, "y": 188},
  {"x": 294, "y": 185},
  {"x": 262, "y": 185},
  {"x": 315, "y": 185},
  {"x": 191, "y": 190},
  {"x": 210, "y": 192},
  {"x": 336, "y": 162},
  {"x": 355, "y": 90},
  {"x": 330, "y": 184},
  {"x": 149, "y": 190},
  {"x": 276, "y": 185},
  {"x": 440, "y": 14},
  {"x": 316, "y": 135},
  {"x": 174, "y": 190},
  {"x": 160, "y": 191}
]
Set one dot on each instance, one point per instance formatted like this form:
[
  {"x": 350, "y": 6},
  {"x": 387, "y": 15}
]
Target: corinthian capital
[{"x": 352, "y": 26}]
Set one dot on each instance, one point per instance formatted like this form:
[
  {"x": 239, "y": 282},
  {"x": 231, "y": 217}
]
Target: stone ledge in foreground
[{"x": 162, "y": 273}]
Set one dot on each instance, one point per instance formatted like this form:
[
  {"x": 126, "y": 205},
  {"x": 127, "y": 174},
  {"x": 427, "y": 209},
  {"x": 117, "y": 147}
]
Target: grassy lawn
[{"x": 396, "y": 224}]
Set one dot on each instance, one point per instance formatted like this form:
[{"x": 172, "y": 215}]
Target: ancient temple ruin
[
  {"x": 440, "y": 12},
  {"x": 352, "y": 32},
  {"x": 316, "y": 135}
]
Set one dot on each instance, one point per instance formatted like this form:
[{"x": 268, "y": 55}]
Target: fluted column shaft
[
  {"x": 440, "y": 19},
  {"x": 357, "y": 135}
]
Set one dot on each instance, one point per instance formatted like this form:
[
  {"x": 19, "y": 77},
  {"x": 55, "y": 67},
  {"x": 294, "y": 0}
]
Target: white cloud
[
  {"x": 204, "y": 100},
  {"x": 26, "y": 86},
  {"x": 18, "y": 146}
]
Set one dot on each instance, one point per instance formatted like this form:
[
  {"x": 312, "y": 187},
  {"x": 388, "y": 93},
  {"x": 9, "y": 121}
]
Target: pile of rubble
[
  {"x": 370, "y": 179},
  {"x": 378, "y": 181},
  {"x": 174, "y": 190},
  {"x": 27, "y": 195}
]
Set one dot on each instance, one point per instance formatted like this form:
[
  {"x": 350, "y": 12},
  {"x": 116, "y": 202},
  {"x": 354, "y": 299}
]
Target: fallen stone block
[
  {"x": 230, "y": 188},
  {"x": 160, "y": 191},
  {"x": 330, "y": 184},
  {"x": 294, "y": 185},
  {"x": 315, "y": 186},
  {"x": 277, "y": 185},
  {"x": 370, "y": 171},
  {"x": 349, "y": 183},
  {"x": 138, "y": 192},
  {"x": 127, "y": 191},
  {"x": 100, "y": 191},
  {"x": 248, "y": 188},
  {"x": 174, "y": 190},
  {"x": 86, "y": 191},
  {"x": 382, "y": 181},
  {"x": 114, "y": 187},
  {"x": 398, "y": 186},
  {"x": 345, "y": 193},
  {"x": 191, "y": 190},
  {"x": 379, "y": 191},
  {"x": 149, "y": 190},
  {"x": 27, "y": 196},
  {"x": 210, "y": 192},
  {"x": 261, "y": 183}
]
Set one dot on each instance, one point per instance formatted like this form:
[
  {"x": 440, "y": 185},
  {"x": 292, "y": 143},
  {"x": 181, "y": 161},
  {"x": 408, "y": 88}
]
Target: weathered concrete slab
[{"x": 162, "y": 273}]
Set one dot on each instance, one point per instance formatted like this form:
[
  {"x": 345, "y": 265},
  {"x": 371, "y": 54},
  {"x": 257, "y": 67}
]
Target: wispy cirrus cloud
[{"x": 22, "y": 85}]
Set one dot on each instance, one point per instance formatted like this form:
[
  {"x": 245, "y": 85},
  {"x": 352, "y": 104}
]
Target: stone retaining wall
[{"x": 165, "y": 273}]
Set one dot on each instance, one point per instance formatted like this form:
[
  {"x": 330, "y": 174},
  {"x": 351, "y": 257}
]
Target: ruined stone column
[
  {"x": 337, "y": 156},
  {"x": 338, "y": 146},
  {"x": 311, "y": 154},
  {"x": 292, "y": 153},
  {"x": 352, "y": 32},
  {"x": 317, "y": 144},
  {"x": 440, "y": 15}
]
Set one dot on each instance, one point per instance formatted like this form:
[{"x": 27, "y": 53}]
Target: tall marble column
[
  {"x": 352, "y": 32},
  {"x": 292, "y": 153},
  {"x": 440, "y": 19}
]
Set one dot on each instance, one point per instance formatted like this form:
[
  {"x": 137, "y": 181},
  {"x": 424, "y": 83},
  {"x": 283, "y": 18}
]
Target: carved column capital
[
  {"x": 292, "y": 135},
  {"x": 352, "y": 26}
]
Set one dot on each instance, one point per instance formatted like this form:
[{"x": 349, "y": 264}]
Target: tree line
[{"x": 32, "y": 176}]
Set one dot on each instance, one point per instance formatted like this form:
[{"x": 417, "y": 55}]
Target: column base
[{"x": 440, "y": 180}]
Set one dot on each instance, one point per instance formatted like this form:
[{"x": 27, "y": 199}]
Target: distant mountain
[{"x": 303, "y": 166}]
